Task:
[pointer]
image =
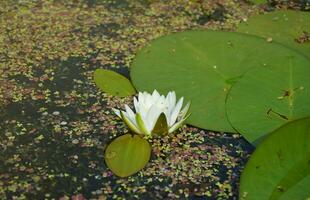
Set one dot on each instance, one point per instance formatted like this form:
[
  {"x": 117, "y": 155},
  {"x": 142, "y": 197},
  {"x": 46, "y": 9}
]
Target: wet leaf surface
[
  {"x": 127, "y": 154},
  {"x": 284, "y": 91},
  {"x": 203, "y": 66},
  {"x": 279, "y": 168},
  {"x": 273, "y": 26},
  {"x": 113, "y": 83}
]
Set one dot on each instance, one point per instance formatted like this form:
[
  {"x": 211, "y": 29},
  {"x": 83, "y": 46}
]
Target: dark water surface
[{"x": 55, "y": 123}]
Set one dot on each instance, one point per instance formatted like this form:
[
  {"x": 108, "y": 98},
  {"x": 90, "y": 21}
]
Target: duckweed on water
[{"x": 55, "y": 123}]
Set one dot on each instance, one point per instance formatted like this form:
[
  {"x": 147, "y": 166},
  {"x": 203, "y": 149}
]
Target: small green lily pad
[
  {"x": 113, "y": 83},
  {"x": 280, "y": 166},
  {"x": 127, "y": 155},
  {"x": 291, "y": 28}
]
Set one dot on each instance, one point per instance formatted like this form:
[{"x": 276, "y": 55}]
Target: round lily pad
[
  {"x": 280, "y": 166},
  {"x": 113, "y": 83},
  {"x": 127, "y": 154},
  {"x": 202, "y": 66},
  {"x": 267, "y": 97},
  {"x": 289, "y": 27}
]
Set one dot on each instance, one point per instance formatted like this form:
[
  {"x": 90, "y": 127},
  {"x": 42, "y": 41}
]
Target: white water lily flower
[{"x": 155, "y": 113}]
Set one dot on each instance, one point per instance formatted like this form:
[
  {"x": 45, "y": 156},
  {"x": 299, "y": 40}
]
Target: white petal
[
  {"x": 168, "y": 96},
  {"x": 171, "y": 99},
  {"x": 161, "y": 101},
  {"x": 155, "y": 95},
  {"x": 140, "y": 97},
  {"x": 130, "y": 113},
  {"x": 145, "y": 94},
  {"x": 148, "y": 101},
  {"x": 184, "y": 111},
  {"x": 141, "y": 124},
  {"x": 143, "y": 112},
  {"x": 117, "y": 112},
  {"x": 136, "y": 104},
  {"x": 131, "y": 124},
  {"x": 176, "y": 126},
  {"x": 152, "y": 117},
  {"x": 175, "y": 112},
  {"x": 132, "y": 120}
]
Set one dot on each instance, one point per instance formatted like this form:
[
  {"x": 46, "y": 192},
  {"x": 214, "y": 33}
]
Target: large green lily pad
[
  {"x": 113, "y": 83},
  {"x": 286, "y": 26},
  {"x": 202, "y": 66},
  {"x": 127, "y": 154},
  {"x": 267, "y": 97},
  {"x": 280, "y": 166}
]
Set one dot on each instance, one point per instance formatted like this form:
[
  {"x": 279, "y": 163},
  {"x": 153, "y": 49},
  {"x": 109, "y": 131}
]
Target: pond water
[{"x": 55, "y": 123}]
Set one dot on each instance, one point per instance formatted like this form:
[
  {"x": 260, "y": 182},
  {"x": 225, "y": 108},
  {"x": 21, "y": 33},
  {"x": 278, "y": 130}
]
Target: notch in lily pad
[
  {"x": 113, "y": 83},
  {"x": 127, "y": 154}
]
